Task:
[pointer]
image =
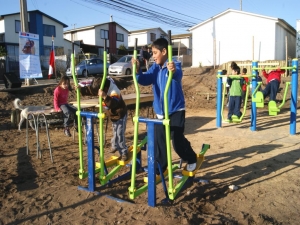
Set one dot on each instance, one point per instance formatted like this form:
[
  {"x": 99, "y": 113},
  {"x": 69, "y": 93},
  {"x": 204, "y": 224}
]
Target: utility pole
[
  {"x": 241, "y": 5},
  {"x": 74, "y": 25},
  {"x": 24, "y": 24},
  {"x": 23, "y": 16}
]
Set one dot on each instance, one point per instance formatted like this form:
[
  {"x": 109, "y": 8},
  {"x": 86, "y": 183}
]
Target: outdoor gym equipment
[
  {"x": 101, "y": 167},
  {"x": 152, "y": 179},
  {"x": 273, "y": 108},
  {"x": 221, "y": 97}
]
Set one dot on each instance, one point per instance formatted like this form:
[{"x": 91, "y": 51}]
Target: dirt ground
[{"x": 263, "y": 166}]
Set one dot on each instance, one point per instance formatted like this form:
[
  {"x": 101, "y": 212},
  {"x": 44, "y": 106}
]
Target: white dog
[{"x": 25, "y": 110}]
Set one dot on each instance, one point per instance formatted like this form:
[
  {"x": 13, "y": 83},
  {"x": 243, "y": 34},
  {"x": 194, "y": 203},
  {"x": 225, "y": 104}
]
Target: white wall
[
  {"x": 280, "y": 50},
  {"x": 10, "y": 35},
  {"x": 184, "y": 42},
  {"x": 234, "y": 32},
  {"x": 2, "y": 28},
  {"x": 142, "y": 39},
  {"x": 88, "y": 36},
  {"x": 58, "y": 40}
]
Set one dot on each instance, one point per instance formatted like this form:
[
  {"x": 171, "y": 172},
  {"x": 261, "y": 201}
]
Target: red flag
[{"x": 51, "y": 61}]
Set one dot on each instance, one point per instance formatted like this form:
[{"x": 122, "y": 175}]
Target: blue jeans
[
  {"x": 271, "y": 89},
  {"x": 234, "y": 106},
  {"x": 118, "y": 140},
  {"x": 67, "y": 111}
]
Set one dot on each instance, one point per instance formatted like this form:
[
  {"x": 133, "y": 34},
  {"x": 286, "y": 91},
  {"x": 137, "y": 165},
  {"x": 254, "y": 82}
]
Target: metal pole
[
  {"x": 253, "y": 108},
  {"x": 219, "y": 99},
  {"x": 24, "y": 23},
  {"x": 294, "y": 97},
  {"x": 286, "y": 55}
]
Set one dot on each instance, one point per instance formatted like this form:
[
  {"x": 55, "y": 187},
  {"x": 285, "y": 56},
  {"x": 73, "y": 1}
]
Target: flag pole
[{"x": 54, "y": 60}]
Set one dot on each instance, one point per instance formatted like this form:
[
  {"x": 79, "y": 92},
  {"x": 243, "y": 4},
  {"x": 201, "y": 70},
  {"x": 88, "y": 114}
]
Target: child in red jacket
[
  {"x": 273, "y": 82},
  {"x": 244, "y": 87},
  {"x": 60, "y": 102}
]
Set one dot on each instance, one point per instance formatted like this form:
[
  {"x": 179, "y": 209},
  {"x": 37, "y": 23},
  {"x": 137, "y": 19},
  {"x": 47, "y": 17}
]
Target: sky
[{"x": 80, "y": 13}]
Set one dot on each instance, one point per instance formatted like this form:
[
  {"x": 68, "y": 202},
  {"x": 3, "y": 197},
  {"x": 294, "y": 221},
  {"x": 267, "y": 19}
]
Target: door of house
[{"x": 2, "y": 69}]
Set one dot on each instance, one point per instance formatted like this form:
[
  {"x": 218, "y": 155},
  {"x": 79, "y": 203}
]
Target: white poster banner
[{"x": 29, "y": 56}]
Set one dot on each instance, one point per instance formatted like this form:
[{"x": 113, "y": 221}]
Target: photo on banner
[{"x": 29, "y": 56}]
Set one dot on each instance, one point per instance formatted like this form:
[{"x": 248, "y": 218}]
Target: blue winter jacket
[{"x": 158, "y": 77}]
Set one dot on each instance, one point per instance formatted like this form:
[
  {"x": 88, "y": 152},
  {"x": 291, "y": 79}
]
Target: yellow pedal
[
  {"x": 110, "y": 162},
  {"x": 258, "y": 99},
  {"x": 273, "y": 109},
  {"x": 130, "y": 154},
  {"x": 200, "y": 159}
]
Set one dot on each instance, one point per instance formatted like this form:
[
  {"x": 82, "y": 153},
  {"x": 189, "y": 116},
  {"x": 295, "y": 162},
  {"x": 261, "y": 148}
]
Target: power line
[
  {"x": 171, "y": 10},
  {"x": 132, "y": 9}
]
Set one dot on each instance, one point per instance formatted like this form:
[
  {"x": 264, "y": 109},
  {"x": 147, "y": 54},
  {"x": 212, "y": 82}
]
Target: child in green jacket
[{"x": 235, "y": 94}]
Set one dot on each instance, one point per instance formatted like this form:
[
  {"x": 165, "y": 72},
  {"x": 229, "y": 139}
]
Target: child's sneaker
[
  {"x": 76, "y": 127},
  {"x": 67, "y": 132},
  {"x": 191, "y": 167},
  {"x": 124, "y": 157}
]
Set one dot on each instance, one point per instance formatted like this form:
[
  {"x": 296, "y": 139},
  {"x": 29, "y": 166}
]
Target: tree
[
  {"x": 2, "y": 51},
  {"x": 122, "y": 50}
]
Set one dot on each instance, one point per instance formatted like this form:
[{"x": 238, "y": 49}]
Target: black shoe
[
  {"x": 67, "y": 132},
  {"x": 76, "y": 127},
  {"x": 124, "y": 157}
]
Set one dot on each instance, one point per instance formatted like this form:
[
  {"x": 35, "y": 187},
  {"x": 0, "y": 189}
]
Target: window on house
[
  {"x": 100, "y": 51},
  {"x": 17, "y": 26},
  {"x": 104, "y": 34},
  {"x": 152, "y": 37},
  {"x": 120, "y": 37},
  {"x": 49, "y": 30},
  {"x": 162, "y": 36},
  {"x": 12, "y": 50},
  {"x": 2, "y": 39}
]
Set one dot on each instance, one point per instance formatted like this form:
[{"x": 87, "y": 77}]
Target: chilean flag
[{"x": 51, "y": 61}]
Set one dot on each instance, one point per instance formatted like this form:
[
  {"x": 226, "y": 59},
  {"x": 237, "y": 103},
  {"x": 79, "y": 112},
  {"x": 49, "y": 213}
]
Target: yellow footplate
[
  {"x": 200, "y": 159},
  {"x": 130, "y": 153},
  {"x": 110, "y": 162}
]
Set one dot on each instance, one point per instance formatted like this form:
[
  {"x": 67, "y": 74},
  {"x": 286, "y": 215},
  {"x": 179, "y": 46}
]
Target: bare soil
[{"x": 263, "y": 166}]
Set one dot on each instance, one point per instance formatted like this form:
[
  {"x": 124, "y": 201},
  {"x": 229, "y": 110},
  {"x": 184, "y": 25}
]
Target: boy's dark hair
[
  {"x": 224, "y": 72},
  {"x": 233, "y": 65},
  {"x": 244, "y": 70},
  {"x": 237, "y": 69},
  {"x": 160, "y": 44}
]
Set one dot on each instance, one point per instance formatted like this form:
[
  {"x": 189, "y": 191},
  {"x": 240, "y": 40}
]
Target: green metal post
[
  {"x": 81, "y": 169},
  {"x": 136, "y": 126},
  {"x": 166, "y": 122},
  {"x": 101, "y": 116}
]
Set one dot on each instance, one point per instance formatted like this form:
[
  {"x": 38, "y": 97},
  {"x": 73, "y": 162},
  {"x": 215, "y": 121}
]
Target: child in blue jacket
[{"x": 157, "y": 76}]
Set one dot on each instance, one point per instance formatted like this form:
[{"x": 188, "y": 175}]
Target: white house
[
  {"x": 239, "y": 35},
  {"x": 38, "y": 23},
  {"x": 92, "y": 37},
  {"x": 182, "y": 44},
  {"x": 145, "y": 36}
]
